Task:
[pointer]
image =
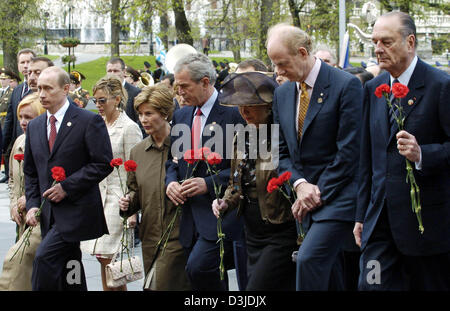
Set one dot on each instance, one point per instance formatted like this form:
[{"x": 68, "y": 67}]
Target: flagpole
[{"x": 342, "y": 23}]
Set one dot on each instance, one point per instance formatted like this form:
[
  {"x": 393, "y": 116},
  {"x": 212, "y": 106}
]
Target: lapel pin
[
  {"x": 410, "y": 102},
  {"x": 214, "y": 122},
  {"x": 320, "y": 100},
  {"x": 69, "y": 123},
  {"x": 321, "y": 94}
]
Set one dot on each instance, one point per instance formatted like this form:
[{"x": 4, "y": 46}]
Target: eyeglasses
[{"x": 100, "y": 101}]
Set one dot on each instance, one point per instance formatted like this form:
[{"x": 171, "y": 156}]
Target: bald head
[
  {"x": 291, "y": 37},
  {"x": 53, "y": 87},
  {"x": 289, "y": 49}
]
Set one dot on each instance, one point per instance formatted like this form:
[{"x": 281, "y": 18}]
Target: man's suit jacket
[
  {"x": 327, "y": 154},
  {"x": 197, "y": 213},
  {"x": 11, "y": 127},
  {"x": 383, "y": 169},
  {"x": 82, "y": 147},
  {"x": 132, "y": 92}
]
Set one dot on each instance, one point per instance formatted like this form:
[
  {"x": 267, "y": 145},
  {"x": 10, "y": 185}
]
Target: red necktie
[
  {"x": 196, "y": 129},
  {"x": 52, "y": 138}
]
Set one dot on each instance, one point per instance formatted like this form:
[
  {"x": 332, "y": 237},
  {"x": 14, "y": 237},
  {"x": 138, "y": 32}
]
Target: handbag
[{"x": 124, "y": 271}]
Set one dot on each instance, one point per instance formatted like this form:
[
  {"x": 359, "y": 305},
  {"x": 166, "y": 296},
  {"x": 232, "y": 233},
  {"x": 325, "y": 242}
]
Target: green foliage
[
  {"x": 69, "y": 41},
  {"x": 441, "y": 44}
]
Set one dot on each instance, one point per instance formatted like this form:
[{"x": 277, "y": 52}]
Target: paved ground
[{"x": 91, "y": 265}]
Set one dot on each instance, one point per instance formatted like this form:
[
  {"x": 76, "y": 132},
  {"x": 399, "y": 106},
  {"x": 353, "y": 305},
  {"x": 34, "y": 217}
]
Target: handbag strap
[{"x": 119, "y": 250}]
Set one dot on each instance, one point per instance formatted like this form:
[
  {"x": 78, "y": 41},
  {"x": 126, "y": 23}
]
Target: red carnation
[
  {"x": 58, "y": 173},
  {"x": 399, "y": 90},
  {"x": 203, "y": 153},
  {"x": 116, "y": 162},
  {"x": 130, "y": 166},
  {"x": 19, "y": 157},
  {"x": 214, "y": 158},
  {"x": 189, "y": 156},
  {"x": 384, "y": 88},
  {"x": 273, "y": 185},
  {"x": 284, "y": 177}
]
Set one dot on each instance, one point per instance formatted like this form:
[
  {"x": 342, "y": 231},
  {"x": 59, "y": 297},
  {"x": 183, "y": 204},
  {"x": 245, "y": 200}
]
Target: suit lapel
[
  {"x": 68, "y": 122},
  {"x": 381, "y": 110},
  {"x": 318, "y": 96},
  {"x": 416, "y": 91},
  {"x": 43, "y": 136}
]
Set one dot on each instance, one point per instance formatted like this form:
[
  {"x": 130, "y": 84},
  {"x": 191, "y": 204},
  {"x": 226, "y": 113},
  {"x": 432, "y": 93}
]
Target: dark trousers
[
  {"x": 384, "y": 268},
  {"x": 320, "y": 260},
  {"x": 57, "y": 265},
  {"x": 203, "y": 262}
]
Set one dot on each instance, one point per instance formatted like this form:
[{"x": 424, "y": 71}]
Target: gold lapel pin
[
  {"x": 69, "y": 123},
  {"x": 320, "y": 100}
]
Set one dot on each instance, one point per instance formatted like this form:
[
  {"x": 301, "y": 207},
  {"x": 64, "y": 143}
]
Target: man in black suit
[
  {"x": 395, "y": 255},
  {"x": 195, "y": 77},
  {"x": 11, "y": 128},
  {"x": 116, "y": 66},
  {"x": 73, "y": 209}
]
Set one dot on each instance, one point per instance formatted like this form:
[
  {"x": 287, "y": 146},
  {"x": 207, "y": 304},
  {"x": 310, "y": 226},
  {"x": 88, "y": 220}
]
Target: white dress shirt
[{"x": 59, "y": 115}]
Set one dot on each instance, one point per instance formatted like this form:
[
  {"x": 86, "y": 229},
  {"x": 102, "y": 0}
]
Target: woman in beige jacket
[
  {"x": 109, "y": 98},
  {"x": 16, "y": 275}
]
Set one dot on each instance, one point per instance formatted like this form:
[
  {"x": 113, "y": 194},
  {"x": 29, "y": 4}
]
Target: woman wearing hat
[{"x": 270, "y": 229}]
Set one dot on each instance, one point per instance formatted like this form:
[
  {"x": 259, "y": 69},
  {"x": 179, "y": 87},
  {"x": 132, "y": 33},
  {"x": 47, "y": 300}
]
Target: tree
[
  {"x": 115, "y": 27},
  {"x": 12, "y": 14},
  {"x": 181, "y": 23}
]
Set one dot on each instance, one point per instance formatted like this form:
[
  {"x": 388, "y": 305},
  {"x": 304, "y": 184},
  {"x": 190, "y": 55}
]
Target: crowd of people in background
[{"x": 347, "y": 205}]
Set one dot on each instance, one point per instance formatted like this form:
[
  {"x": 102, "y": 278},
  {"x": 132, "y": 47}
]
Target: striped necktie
[
  {"x": 304, "y": 103},
  {"x": 393, "y": 111}
]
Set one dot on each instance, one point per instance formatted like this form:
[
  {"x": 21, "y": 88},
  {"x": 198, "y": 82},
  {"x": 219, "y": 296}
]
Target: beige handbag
[{"x": 131, "y": 270}]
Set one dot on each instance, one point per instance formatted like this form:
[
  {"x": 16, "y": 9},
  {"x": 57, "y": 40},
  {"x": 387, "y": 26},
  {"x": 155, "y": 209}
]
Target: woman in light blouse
[{"x": 110, "y": 98}]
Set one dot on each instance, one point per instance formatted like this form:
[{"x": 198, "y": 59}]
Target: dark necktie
[
  {"x": 25, "y": 90},
  {"x": 52, "y": 137},
  {"x": 393, "y": 111},
  {"x": 196, "y": 129}
]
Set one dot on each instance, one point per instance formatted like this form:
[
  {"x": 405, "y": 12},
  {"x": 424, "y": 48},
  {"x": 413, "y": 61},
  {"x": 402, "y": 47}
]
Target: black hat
[
  {"x": 78, "y": 76},
  {"x": 158, "y": 63},
  {"x": 247, "y": 89},
  {"x": 6, "y": 73},
  {"x": 73, "y": 79},
  {"x": 133, "y": 73},
  {"x": 147, "y": 64}
]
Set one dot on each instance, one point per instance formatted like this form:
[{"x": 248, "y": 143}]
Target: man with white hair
[{"x": 319, "y": 115}]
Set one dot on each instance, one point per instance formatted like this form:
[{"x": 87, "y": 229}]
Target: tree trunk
[
  {"x": 181, "y": 23},
  {"x": 265, "y": 22},
  {"x": 115, "y": 27},
  {"x": 164, "y": 26},
  {"x": 295, "y": 13},
  {"x": 10, "y": 33}
]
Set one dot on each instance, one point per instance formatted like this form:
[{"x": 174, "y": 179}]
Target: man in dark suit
[
  {"x": 395, "y": 255},
  {"x": 116, "y": 66},
  {"x": 319, "y": 113},
  {"x": 11, "y": 128},
  {"x": 73, "y": 210},
  {"x": 195, "y": 77}
]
